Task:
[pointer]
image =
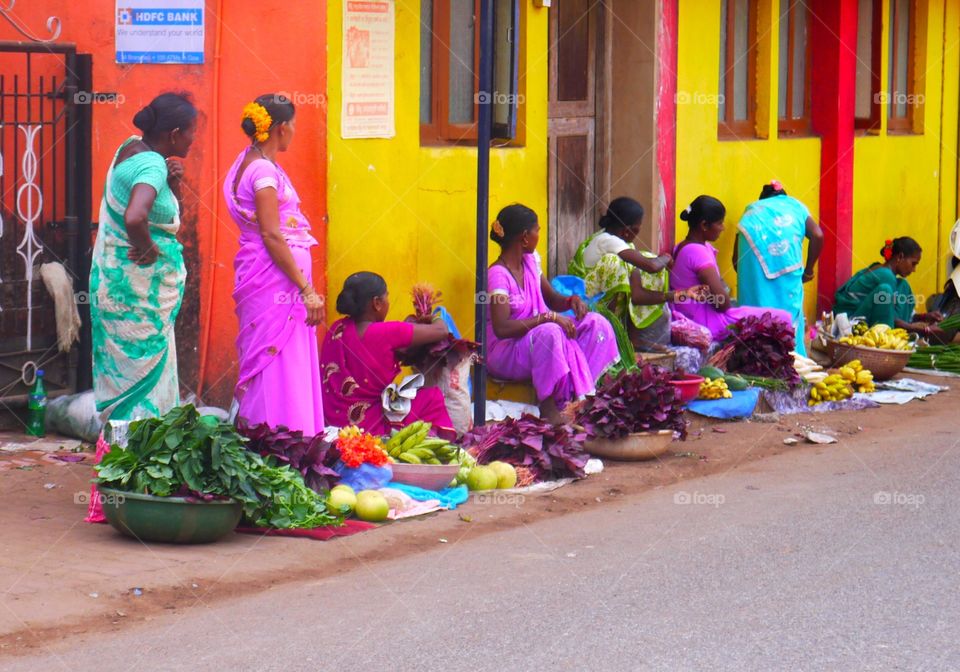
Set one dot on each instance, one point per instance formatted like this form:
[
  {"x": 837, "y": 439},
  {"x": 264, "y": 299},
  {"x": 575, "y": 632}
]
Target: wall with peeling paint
[
  {"x": 409, "y": 212},
  {"x": 254, "y": 57}
]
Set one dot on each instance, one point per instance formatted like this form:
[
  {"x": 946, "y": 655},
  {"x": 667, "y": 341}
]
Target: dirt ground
[{"x": 62, "y": 577}]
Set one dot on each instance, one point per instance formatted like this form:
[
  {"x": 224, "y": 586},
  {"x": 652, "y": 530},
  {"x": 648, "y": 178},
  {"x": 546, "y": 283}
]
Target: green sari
[
  {"x": 610, "y": 277},
  {"x": 877, "y": 295},
  {"x": 133, "y": 308}
]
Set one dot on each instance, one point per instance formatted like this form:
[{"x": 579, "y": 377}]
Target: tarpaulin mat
[{"x": 740, "y": 405}]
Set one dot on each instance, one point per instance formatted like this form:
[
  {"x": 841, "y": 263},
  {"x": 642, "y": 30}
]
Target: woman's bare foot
[{"x": 550, "y": 412}]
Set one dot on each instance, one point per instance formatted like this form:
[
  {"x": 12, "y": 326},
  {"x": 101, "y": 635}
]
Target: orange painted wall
[{"x": 252, "y": 47}]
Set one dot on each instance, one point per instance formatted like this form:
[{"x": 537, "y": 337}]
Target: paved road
[{"x": 834, "y": 561}]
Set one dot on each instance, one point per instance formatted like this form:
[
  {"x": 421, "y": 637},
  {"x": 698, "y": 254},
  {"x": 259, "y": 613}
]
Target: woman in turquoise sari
[
  {"x": 768, "y": 254},
  {"x": 880, "y": 293},
  {"x": 137, "y": 273}
]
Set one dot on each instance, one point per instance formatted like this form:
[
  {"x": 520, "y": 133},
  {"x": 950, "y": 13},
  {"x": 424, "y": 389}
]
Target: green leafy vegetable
[{"x": 185, "y": 454}]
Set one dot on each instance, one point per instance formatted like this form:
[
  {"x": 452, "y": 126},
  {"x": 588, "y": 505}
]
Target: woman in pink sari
[
  {"x": 695, "y": 266},
  {"x": 277, "y": 307},
  {"x": 359, "y": 360},
  {"x": 527, "y": 338}
]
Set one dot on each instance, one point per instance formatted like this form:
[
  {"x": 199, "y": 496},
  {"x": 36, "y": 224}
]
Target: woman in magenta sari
[
  {"x": 527, "y": 338},
  {"x": 360, "y": 359},
  {"x": 695, "y": 264},
  {"x": 277, "y": 307}
]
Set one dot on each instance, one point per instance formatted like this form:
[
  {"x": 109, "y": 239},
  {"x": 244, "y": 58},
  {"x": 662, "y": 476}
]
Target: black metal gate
[{"x": 45, "y": 193}]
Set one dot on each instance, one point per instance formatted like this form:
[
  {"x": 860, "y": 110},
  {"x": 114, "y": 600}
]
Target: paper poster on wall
[
  {"x": 368, "y": 63},
  {"x": 159, "y": 31}
]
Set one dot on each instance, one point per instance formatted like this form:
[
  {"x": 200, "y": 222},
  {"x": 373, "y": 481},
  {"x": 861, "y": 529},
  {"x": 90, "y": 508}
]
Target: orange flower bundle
[{"x": 357, "y": 447}]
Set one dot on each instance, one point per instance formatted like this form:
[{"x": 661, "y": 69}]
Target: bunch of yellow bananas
[
  {"x": 832, "y": 388},
  {"x": 880, "y": 336},
  {"x": 715, "y": 389},
  {"x": 861, "y": 378},
  {"x": 414, "y": 445}
]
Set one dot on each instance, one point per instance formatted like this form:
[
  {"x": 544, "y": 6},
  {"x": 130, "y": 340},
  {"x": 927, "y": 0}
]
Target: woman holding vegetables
[
  {"x": 360, "y": 359},
  {"x": 881, "y": 294}
]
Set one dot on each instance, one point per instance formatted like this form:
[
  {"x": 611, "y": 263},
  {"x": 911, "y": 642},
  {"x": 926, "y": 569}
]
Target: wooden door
[{"x": 572, "y": 128}]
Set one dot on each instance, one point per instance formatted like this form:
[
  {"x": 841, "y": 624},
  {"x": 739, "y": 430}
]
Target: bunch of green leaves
[{"x": 185, "y": 454}]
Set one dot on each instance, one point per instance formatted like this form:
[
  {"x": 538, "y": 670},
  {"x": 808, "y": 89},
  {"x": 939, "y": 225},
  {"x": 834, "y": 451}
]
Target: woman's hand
[
  {"x": 579, "y": 307},
  {"x": 143, "y": 257},
  {"x": 174, "y": 173},
  {"x": 697, "y": 294},
  {"x": 666, "y": 261},
  {"x": 565, "y": 323},
  {"x": 314, "y": 305}
]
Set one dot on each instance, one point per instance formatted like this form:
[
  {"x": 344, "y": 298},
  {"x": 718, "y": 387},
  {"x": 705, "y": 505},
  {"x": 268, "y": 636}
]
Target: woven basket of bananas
[{"x": 880, "y": 349}]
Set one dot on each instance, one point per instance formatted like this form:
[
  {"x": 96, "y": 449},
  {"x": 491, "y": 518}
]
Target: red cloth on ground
[{"x": 319, "y": 533}]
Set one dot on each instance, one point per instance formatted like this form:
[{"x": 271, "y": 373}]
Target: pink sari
[
  {"x": 558, "y": 366},
  {"x": 356, "y": 370},
  {"x": 279, "y": 379}
]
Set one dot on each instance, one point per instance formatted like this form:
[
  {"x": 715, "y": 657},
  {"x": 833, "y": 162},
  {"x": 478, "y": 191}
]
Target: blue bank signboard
[{"x": 159, "y": 31}]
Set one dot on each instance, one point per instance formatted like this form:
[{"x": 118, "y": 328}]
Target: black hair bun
[
  {"x": 248, "y": 127},
  {"x": 145, "y": 119},
  {"x": 685, "y": 215}
]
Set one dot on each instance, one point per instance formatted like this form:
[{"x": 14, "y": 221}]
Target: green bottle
[{"x": 37, "y": 407}]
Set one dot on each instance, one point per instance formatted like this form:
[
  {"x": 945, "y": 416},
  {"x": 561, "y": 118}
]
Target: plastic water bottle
[{"x": 37, "y": 407}]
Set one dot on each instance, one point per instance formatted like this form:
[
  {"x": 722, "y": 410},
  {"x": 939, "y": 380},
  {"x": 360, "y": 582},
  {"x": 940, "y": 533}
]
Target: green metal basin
[{"x": 172, "y": 520}]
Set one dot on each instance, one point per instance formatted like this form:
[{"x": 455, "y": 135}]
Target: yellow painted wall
[
  {"x": 734, "y": 171},
  {"x": 409, "y": 212},
  {"x": 903, "y": 186}
]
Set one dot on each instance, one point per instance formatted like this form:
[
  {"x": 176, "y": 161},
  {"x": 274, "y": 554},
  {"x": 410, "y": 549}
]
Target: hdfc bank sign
[{"x": 160, "y": 31}]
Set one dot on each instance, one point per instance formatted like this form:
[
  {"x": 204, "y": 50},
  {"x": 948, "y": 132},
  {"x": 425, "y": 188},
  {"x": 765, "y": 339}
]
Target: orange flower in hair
[
  {"x": 888, "y": 250},
  {"x": 258, "y": 114},
  {"x": 498, "y": 228}
]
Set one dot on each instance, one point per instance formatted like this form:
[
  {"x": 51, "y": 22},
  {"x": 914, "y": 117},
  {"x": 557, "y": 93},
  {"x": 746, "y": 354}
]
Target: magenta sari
[
  {"x": 357, "y": 369},
  {"x": 279, "y": 378},
  {"x": 560, "y": 367}
]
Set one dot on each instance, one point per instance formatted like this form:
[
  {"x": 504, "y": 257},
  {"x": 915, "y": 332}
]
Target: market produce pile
[
  {"x": 414, "y": 445},
  {"x": 715, "y": 388},
  {"x": 880, "y": 336},
  {"x": 185, "y": 454},
  {"x": 937, "y": 358},
  {"x": 539, "y": 450},
  {"x": 759, "y": 346},
  {"x": 634, "y": 401}
]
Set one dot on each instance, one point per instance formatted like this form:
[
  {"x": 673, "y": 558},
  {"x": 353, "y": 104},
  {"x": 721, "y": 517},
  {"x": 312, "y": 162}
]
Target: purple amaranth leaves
[
  {"x": 762, "y": 346},
  {"x": 632, "y": 402},
  {"x": 549, "y": 451},
  {"x": 310, "y": 455}
]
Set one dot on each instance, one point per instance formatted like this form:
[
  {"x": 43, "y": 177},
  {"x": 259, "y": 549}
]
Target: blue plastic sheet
[
  {"x": 741, "y": 405},
  {"x": 364, "y": 477},
  {"x": 451, "y": 498}
]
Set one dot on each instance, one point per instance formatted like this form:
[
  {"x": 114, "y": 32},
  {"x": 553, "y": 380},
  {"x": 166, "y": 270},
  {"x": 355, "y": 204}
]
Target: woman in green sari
[
  {"x": 137, "y": 273},
  {"x": 634, "y": 284},
  {"x": 880, "y": 293}
]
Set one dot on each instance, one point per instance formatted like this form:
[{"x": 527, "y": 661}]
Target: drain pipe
[{"x": 214, "y": 196}]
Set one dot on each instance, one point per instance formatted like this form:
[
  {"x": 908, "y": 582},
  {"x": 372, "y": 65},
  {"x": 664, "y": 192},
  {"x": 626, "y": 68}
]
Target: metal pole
[{"x": 484, "y": 130}]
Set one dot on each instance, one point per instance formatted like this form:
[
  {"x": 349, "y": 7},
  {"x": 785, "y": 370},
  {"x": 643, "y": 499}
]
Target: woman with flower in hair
[
  {"x": 277, "y": 306},
  {"x": 768, "y": 254},
  {"x": 880, "y": 293},
  {"x": 528, "y": 338}
]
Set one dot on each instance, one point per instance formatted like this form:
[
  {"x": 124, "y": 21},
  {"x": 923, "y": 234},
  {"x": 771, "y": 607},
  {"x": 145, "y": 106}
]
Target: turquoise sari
[
  {"x": 877, "y": 295},
  {"x": 770, "y": 258},
  {"x": 133, "y": 308}
]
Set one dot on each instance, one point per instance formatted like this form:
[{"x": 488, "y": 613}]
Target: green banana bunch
[{"x": 414, "y": 445}]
